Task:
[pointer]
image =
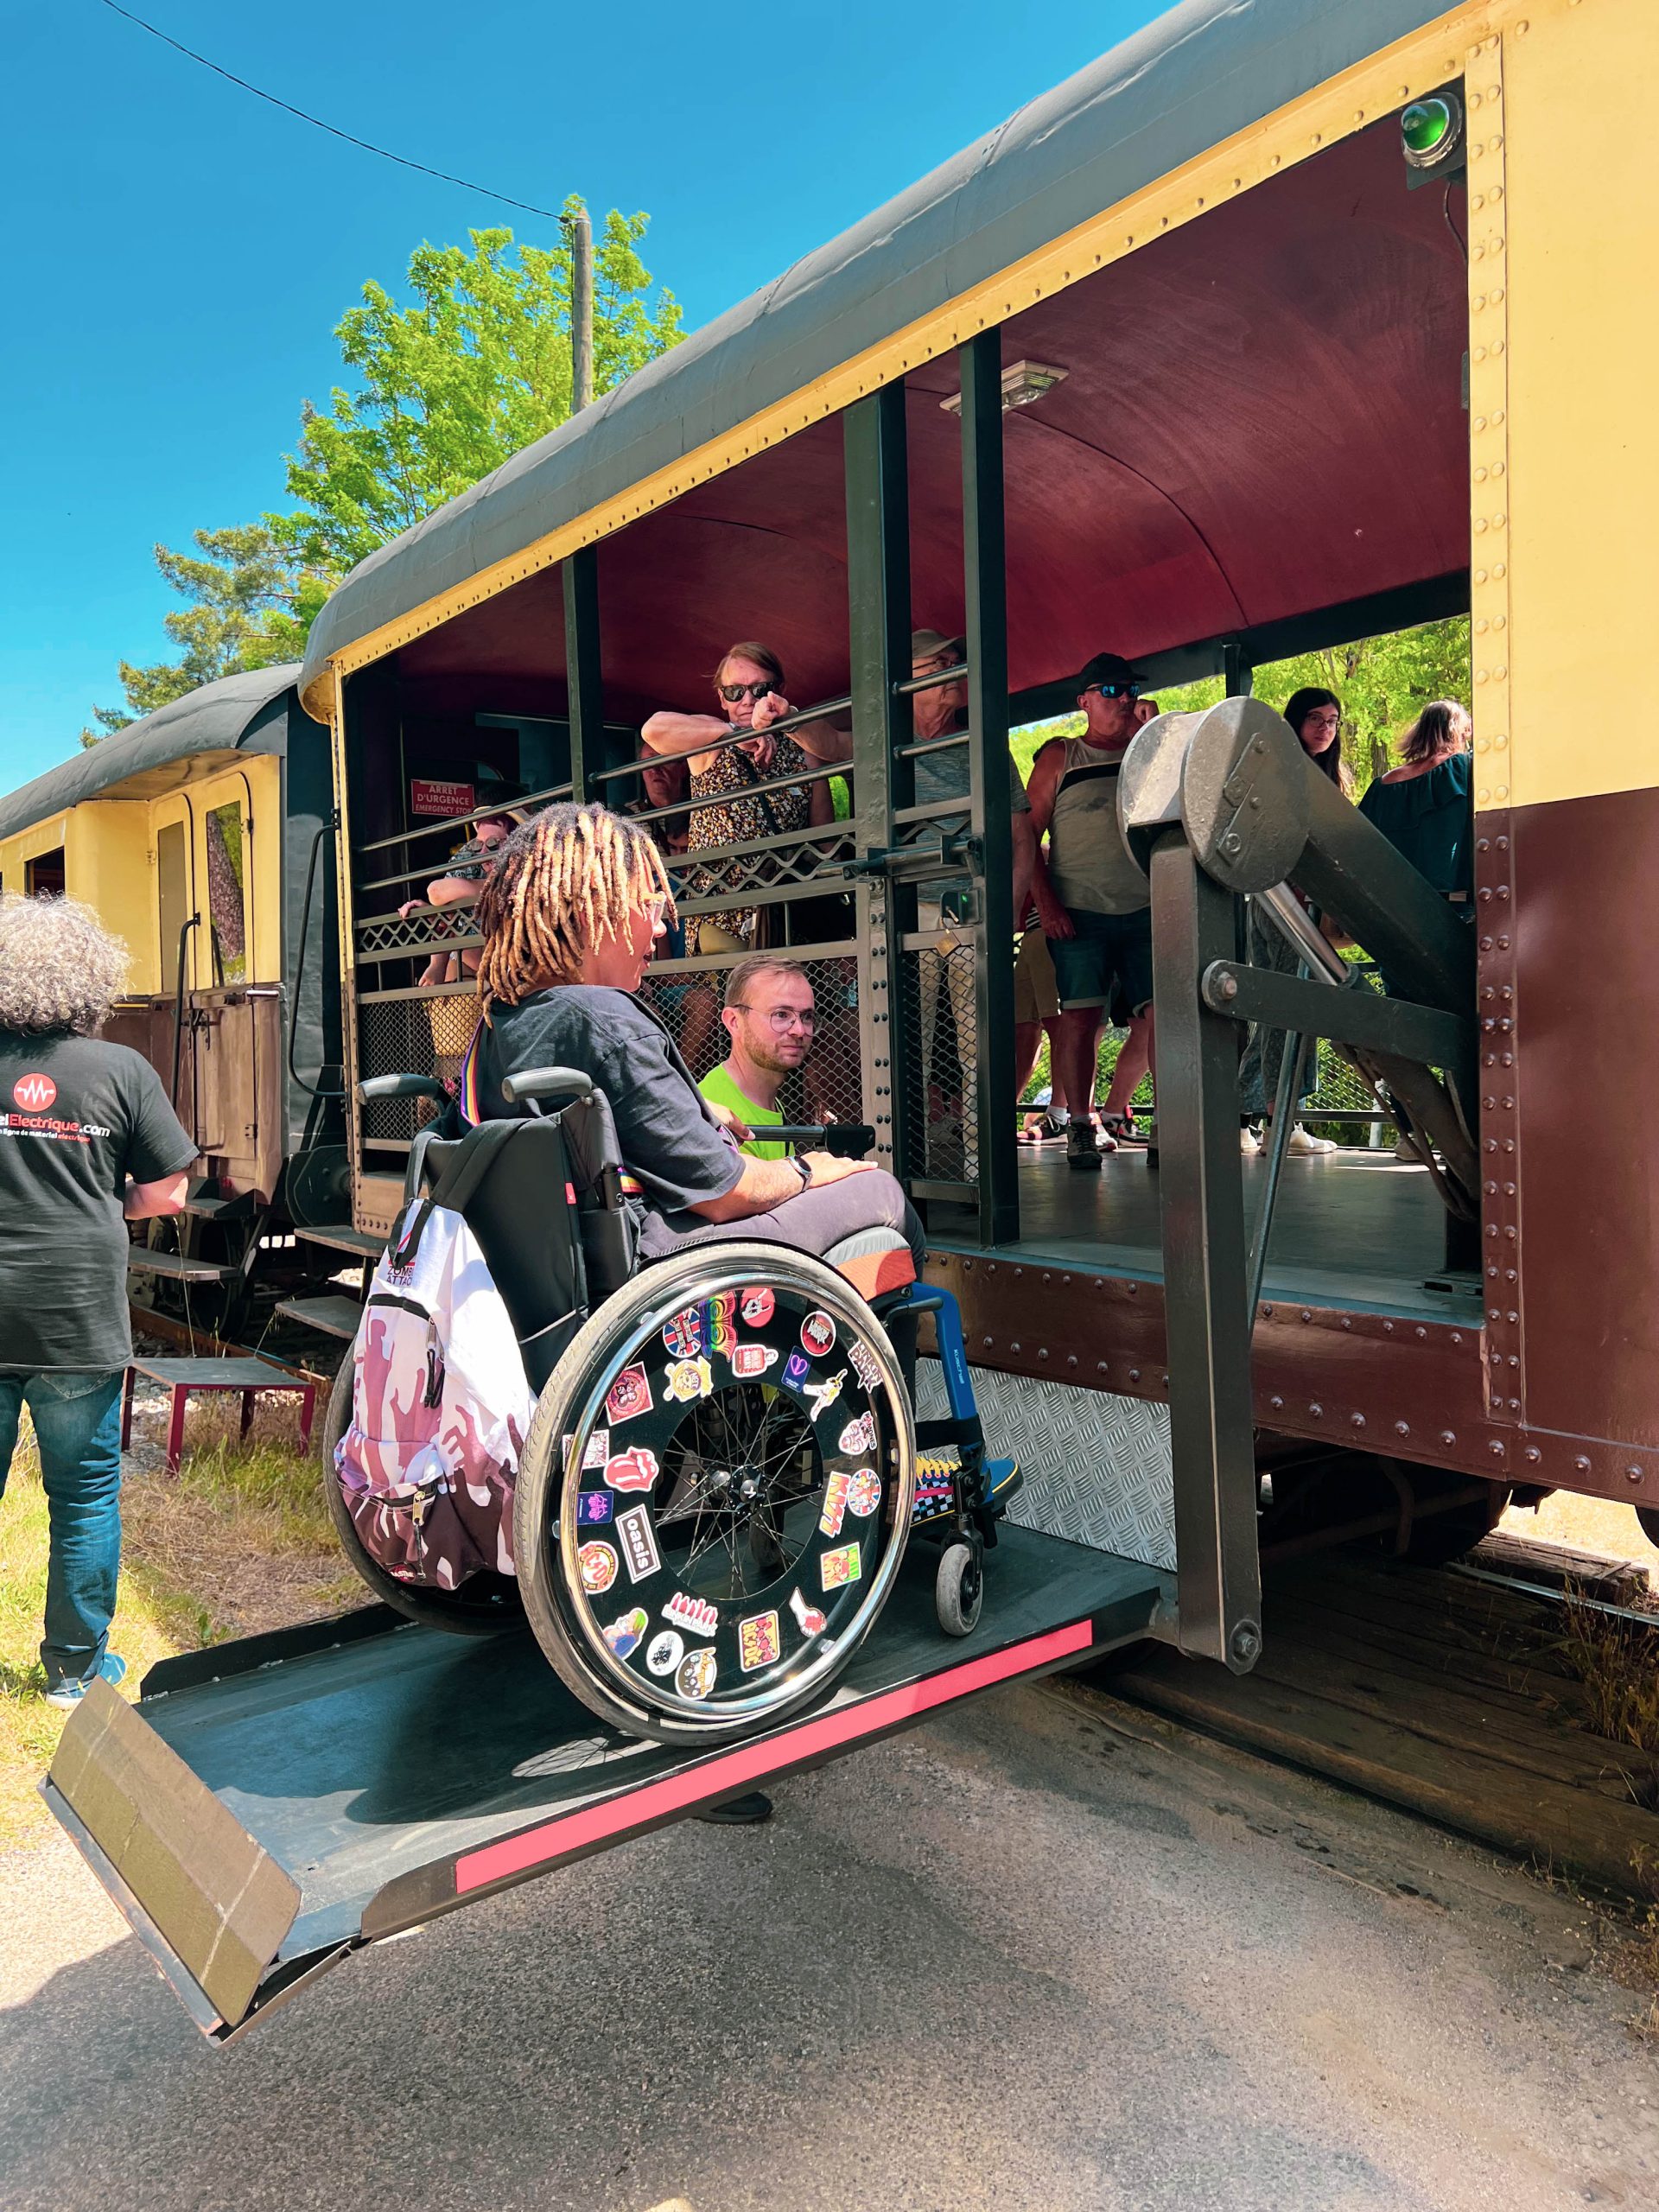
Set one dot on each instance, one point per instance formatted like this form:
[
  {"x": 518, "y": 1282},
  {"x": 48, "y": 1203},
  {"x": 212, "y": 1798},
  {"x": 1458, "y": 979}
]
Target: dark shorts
[{"x": 1107, "y": 964}]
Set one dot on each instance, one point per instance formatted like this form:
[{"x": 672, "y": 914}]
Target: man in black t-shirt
[{"x": 87, "y": 1143}]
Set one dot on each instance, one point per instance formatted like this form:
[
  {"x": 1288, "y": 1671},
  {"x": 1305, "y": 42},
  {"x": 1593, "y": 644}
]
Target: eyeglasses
[
  {"x": 780, "y": 1017},
  {"x": 1113, "y": 690},
  {"x": 733, "y": 692}
]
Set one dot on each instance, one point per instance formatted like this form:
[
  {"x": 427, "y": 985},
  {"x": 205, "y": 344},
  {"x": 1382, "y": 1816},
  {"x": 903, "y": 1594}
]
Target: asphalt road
[{"x": 1016, "y": 1959}]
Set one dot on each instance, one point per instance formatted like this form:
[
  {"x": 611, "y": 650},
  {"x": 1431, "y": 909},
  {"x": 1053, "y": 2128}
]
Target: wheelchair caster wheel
[{"x": 959, "y": 1589}]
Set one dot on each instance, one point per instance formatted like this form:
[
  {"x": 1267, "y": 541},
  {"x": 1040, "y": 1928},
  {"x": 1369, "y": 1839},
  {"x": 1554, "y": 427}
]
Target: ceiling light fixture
[{"x": 1022, "y": 383}]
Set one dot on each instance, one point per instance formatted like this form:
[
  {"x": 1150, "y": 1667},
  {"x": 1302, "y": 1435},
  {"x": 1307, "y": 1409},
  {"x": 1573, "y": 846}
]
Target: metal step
[
  {"x": 177, "y": 1267},
  {"x": 335, "y": 1317},
  {"x": 361, "y": 1243},
  {"x": 211, "y": 1207}
]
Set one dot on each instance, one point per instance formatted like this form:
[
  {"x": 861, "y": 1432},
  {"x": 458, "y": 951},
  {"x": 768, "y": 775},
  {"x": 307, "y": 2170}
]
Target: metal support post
[
  {"x": 986, "y": 601},
  {"x": 583, "y": 685},
  {"x": 1208, "y": 1334},
  {"x": 1237, "y": 668},
  {"x": 878, "y": 621}
]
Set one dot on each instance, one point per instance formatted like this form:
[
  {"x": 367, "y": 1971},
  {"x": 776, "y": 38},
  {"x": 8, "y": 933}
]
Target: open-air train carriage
[
  {"x": 1185, "y": 361},
  {"x": 202, "y": 837}
]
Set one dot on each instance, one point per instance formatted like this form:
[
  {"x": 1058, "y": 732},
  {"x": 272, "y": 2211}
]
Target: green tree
[
  {"x": 446, "y": 389},
  {"x": 473, "y": 369}
]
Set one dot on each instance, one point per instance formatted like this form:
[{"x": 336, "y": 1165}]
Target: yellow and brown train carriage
[
  {"x": 202, "y": 836},
  {"x": 1281, "y": 325}
]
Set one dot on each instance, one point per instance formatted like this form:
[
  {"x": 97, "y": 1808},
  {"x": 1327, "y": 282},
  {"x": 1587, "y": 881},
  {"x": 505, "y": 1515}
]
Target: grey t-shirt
[
  {"x": 944, "y": 775},
  {"x": 671, "y": 1143}
]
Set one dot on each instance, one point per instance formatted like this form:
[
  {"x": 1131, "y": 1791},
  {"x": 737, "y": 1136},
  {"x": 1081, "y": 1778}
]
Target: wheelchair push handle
[
  {"x": 546, "y": 1083},
  {"x": 402, "y": 1086},
  {"x": 845, "y": 1140}
]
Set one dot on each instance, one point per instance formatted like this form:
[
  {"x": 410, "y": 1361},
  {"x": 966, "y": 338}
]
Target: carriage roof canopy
[
  {"x": 1199, "y": 74},
  {"x": 228, "y": 717}
]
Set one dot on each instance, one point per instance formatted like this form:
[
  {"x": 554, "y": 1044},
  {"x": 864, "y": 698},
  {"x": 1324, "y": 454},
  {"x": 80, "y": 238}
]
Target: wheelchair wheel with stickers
[{"x": 715, "y": 1493}]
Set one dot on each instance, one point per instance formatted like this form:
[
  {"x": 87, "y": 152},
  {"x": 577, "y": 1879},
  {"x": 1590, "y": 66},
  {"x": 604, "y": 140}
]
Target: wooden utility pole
[{"x": 580, "y": 232}]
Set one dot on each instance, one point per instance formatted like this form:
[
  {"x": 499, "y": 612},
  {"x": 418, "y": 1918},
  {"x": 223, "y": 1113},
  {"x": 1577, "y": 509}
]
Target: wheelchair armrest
[
  {"x": 402, "y": 1086},
  {"x": 845, "y": 1140},
  {"x": 546, "y": 1083}
]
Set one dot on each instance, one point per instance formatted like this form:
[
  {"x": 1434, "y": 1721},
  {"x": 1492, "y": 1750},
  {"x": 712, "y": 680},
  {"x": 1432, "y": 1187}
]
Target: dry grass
[
  {"x": 1588, "y": 1524},
  {"x": 239, "y": 1540}
]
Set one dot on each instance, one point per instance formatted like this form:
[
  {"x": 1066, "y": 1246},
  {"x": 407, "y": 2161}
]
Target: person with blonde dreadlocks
[{"x": 570, "y": 918}]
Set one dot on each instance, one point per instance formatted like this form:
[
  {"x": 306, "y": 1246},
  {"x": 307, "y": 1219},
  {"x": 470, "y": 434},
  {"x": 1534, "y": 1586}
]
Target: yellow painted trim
[
  {"x": 1581, "y": 212},
  {"x": 1489, "y": 427},
  {"x": 1334, "y": 110}
]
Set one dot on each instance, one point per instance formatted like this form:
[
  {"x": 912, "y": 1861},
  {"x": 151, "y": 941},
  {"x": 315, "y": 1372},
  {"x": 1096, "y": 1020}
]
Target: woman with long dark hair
[{"x": 1315, "y": 715}]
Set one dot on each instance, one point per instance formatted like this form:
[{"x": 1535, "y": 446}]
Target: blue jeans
[{"x": 78, "y": 1426}]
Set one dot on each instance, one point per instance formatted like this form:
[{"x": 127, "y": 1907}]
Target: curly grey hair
[{"x": 60, "y": 968}]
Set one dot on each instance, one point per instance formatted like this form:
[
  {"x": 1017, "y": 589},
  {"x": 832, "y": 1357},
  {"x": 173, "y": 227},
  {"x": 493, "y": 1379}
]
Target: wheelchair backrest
[{"x": 542, "y": 1195}]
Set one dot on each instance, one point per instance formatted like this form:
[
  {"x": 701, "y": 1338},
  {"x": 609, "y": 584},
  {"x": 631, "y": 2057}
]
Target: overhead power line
[{"x": 317, "y": 124}]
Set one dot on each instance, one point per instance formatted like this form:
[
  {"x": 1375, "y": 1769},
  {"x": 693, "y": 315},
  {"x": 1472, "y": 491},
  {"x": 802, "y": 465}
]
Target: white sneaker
[
  {"x": 1247, "y": 1143},
  {"x": 1302, "y": 1145}
]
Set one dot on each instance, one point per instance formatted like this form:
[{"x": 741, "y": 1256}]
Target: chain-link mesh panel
[
  {"x": 418, "y": 1036},
  {"x": 828, "y": 1087},
  {"x": 937, "y": 1059}
]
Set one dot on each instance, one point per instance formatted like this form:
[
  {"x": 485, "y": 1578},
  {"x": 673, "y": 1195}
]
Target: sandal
[{"x": 1045, "y": 1130}]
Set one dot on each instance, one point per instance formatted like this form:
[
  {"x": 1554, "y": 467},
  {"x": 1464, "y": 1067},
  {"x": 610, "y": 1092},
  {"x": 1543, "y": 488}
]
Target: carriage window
[
  {"x": 227, "y": 893},
  {"x": 172, "y": 889},
  {"x": 43, "y": 875}
]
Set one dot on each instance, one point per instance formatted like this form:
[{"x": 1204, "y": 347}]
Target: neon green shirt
[{"x": 718, "y": 1086}]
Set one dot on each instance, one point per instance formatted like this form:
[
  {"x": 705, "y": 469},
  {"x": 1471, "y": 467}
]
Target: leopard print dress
[{"x": 737, "y": 815}]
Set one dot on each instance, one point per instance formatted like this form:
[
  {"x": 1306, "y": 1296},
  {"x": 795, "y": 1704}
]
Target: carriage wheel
[
  {"x": 715, "y": 1493},
  {"x": 484, "y": 1605}
]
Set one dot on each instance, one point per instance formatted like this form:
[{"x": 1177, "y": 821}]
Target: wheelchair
[{"x": 723, "y": 1472}]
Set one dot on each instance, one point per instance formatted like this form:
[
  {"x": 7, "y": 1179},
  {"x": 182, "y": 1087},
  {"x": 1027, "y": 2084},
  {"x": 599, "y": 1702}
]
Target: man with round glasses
[{"x": 771, "y": 1018}]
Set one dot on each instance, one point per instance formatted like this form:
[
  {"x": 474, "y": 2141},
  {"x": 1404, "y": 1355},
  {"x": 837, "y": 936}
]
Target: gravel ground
[{"x": 1045, "y": 1954}]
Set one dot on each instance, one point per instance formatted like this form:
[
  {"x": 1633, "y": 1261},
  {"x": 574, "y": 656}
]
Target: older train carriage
[
  {"x": 202, "y": 836},
  {"x": 1188, "y": 360}
]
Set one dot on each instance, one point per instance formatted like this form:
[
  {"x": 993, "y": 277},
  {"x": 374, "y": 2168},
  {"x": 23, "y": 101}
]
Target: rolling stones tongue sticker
[
  {"x": 598, "y": 1565},
  {"x": 859, "y": 1435},
  {"x": 837, "y": 1569},
  {"x": 629, "y": 1395},
  {"x": 808, "y": 1618},
  {"x": 688, "y": 1379},
  {"x": 757, "y": 1643},
  {"x": 697, "y": 1675},
  {"x": 624, "y": 1631},
  {"x": 634, "y": 1533},
  {"x": 818, "y": 1335},
  {"x": 750, "y": 1360},
  {"x": 695, "y": 1614},
  {"x": 756, "y": 1305},
  {"x": 635, "y": 1470}
]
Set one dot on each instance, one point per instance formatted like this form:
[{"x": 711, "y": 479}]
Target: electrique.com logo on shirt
[{"x": 34, "y": 1093}]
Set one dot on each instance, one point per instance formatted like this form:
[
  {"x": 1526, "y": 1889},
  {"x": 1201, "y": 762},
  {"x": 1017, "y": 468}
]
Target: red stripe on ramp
[{"x": 754, "y": 1762}]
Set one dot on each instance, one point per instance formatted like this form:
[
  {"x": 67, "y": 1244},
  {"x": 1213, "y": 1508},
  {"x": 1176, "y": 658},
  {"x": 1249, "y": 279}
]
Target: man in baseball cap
[{"x": 1094, "y": 903}]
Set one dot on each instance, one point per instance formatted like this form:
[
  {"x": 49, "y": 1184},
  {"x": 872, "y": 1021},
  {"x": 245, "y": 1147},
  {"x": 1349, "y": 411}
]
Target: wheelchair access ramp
[{"x": 270, "y": 1806}]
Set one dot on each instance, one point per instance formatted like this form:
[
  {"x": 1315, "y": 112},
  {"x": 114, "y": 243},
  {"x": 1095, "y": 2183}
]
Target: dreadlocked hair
[{"x": 567, "y": 877}]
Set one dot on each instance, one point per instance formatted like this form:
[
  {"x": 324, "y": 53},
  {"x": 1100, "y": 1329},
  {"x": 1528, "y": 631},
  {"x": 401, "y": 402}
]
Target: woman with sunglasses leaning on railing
[{"x": 749, "y": 695}]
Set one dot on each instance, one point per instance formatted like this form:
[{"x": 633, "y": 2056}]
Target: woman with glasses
[
  {"x": 771, "y": 1016},
  {"x": 741, "y": 786}
]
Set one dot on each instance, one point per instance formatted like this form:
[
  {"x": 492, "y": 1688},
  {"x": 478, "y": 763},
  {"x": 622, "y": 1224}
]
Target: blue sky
[{"x": 179, "y": 252}]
